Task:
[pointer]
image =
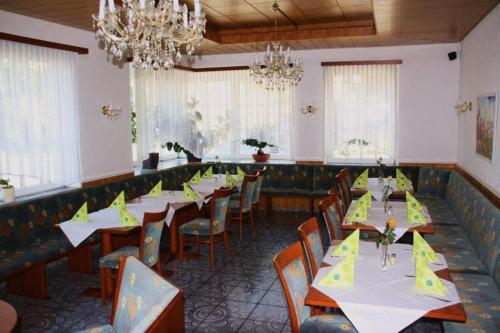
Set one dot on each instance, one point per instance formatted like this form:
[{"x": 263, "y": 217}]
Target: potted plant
[
  {"x": 9, "y": 191},
  {"x": 176, "y": 147},
  {"x": 259, "y": 145}
]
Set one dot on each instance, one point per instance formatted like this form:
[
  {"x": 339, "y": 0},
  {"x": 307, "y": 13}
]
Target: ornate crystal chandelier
[
  {"x": 151, "y": 32},
  {"x": 278, "y": 70}
]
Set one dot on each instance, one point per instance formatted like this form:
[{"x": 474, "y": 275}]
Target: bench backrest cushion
[
  {"x": 433, "y": 181},
  {"x": 478, "y": 216}
]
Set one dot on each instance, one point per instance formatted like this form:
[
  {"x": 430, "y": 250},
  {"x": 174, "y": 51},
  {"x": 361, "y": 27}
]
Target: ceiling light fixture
[
  {"x": 151, "y": 32},
  {"x": 278, "y": 70}
]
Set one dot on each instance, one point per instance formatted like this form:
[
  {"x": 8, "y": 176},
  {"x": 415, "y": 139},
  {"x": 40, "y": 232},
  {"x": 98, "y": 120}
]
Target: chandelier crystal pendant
[
  {"x": 278, "y": 70},
  {"x": 151, "y": 32}
]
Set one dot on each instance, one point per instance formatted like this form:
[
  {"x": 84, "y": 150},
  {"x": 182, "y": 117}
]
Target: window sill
[{"x": 38, "y": 195}]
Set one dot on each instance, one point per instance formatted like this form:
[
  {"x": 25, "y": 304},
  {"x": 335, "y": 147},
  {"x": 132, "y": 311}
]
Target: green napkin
[
  {"x": 362, "y": 180},
  {"x": 415, "y": 216},
  {"x": 241, "y": 174},
  {"x": 208, "y": 174},
  {"x": 426, "y": 280},
  {"x": 349, "y": 246},
  {"x": 156, "y": 191},
  {"x": 402, "y": 182},
  {"x": 196, "y": 178},
  {"x": 413, "y": 203},
  {"x": 82, "y": 215},
  {"x": 127, "y": 219},
  {"x": 358, "y": 213},
  {"x": 366, "y": 199},
  {"x": 119, "y": 202},
  {"x": 189, "y": 193},
  {"x": 341, "y": 275},
  {"x": 422, "y": 249},
  {"x": 230, "y": 180}
]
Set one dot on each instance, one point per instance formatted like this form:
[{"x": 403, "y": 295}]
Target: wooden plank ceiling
[{"x": 236, "y": 26}]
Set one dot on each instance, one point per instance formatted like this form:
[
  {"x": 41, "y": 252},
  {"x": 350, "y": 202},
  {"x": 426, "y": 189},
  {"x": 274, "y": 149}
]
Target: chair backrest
[
  {"x": 349, "y": 177},
  {"x": 218, "y": 209},
  {"x": 247, "y": 189},
  {"x": 141, "y": 298},
  {"x": 310, "y": 236},
  {"x": 258, "y": 185},
  {"x": 344, "y": 191},
  {"x": 330, "y": 208},
  {"x": 152, "y": 228},
  {"x": 290, "y": 265}
]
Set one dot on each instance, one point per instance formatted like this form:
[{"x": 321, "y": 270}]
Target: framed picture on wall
[{"x": 487, "y": 108}]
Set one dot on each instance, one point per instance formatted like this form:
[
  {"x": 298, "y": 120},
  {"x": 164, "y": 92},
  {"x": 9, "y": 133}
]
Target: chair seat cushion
[
  {"x": 326, "y": 324},
  {"x": 481, "y": 299},
  {"x": 51, "y": 245},
  {"x": 112, "y": 260},
  {"x": 99, "y": 329},
  {"x": 198, "y": 227},
  {"x": 457, "y": 249}
]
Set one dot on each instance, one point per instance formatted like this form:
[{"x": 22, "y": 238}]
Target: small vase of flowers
[
  {"x": 259, "y": 145},
  {"x": 386, "y": 238},
  {"x": 9, "y": 191}
]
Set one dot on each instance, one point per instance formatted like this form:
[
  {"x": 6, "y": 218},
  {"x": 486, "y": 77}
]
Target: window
[
  {"x": 360, "y": 112},
  {"x": 38, "y": 118},
  {"x": 209, "y": 113}
]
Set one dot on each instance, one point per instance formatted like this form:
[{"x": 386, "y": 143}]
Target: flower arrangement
[
  {"x": 386, "y": 238},
  {"x": 381, "y": 167},
  {"x": 4, "y": 183}
]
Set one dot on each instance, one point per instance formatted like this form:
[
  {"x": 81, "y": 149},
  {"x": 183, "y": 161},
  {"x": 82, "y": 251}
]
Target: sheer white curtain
[
  {"x": 210, "y": 112},
  {"x": 360, "y": 112},
  {"x": 39, "y": 131}
]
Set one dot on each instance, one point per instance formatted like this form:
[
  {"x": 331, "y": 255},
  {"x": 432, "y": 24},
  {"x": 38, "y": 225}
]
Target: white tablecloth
[
  {"x": 378, "y": 219},
  {"x": 383, "y": 301},
  {"x": 109, "y": 218},
  {"x": 376, "y": 187},
  {"x": 209, "y": 185}
]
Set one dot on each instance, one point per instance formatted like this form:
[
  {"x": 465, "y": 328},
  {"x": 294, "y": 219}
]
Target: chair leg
[
  {"x": 212, "y": 255},
  {"x": 158, "y": 267},
  {"x": 181, "y": 247}
]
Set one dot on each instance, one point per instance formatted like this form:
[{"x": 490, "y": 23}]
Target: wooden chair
[
  {"x": 208, "y": 231},
  {"x": 348, "y": 176},
  {"x": 310, "y": 236},
  {"x": 256, "y": 192},
  {"x": 144, "y": 301},
  {"x": 243, "y": 205},
  {"x": 148, "y": 251},
  {"x": 330, "y": 208},
  {"x": 290, "y": 265},
  {"x": 344, "y": 190}
]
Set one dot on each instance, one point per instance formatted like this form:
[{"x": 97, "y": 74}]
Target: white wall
[
  {"x": 105, "y": 146},
  {"x": 428, "y": 93},
  {"x": 479, "y": 74}
]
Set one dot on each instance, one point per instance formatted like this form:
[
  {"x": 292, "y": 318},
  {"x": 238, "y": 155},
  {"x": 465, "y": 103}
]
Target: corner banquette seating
[{"x": 467, "y": 226}]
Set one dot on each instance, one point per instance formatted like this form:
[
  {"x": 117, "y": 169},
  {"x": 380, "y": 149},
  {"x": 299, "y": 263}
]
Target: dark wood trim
[
  {"x": 479, "y": 186},
  {"x": 43, "y": 43},
  {"x": 363, "y": 62},
  {"x": 309, "y": 162},
  {"x": 429, "y": 165},
  {"x": 106, "y": 180}
]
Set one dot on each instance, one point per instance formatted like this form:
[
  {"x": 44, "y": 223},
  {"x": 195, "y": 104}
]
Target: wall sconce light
[
  {"x": 463, "y": 107},
  {"x": 110, "y": 112},
  {"x": 308, "y": 110}
]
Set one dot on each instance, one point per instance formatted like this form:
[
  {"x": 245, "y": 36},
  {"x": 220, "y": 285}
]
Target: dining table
[
  {"x": 385, "y": 300},
  {"x": 376, "y": 186}
]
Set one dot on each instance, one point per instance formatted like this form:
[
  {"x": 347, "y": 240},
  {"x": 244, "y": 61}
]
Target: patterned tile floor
[{"x": 242, "y": 295}]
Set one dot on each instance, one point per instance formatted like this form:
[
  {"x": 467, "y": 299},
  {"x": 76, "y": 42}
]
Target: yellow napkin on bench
[
  {"x": 241, "y": 174},
  {"x": 341, "y": 275},
  {"x": 230, "y": 180},
  {"x": 82, "y": 215},
  {"x": 422, "y": 249},
  {"x": 362, "y": 180},
  {"x": 413, "y": 203},
  {"x": 196, "y": 178},
  {"x": 127, "y": 219},
  {"x": 119, "y": 202},
  {"x": 349, "y": 246},
  {"x": 189, "y": 193},
  {"x": 426, "y": 280},
  {"x": 156, "y": 191},
  {"x": 358, "y": 213},
  {"x": 208, "y": 174}
]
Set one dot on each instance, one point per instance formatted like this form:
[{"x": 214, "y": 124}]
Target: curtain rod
[{"x": 363, "y": 62}]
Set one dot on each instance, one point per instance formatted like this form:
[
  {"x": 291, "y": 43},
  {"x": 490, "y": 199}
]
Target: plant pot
[
  {"x": 151, "y": 162},
  {"x": 192, "y": 159},
  {"x": 261, "y": 157},
  {"x": 9, "y": 194}
]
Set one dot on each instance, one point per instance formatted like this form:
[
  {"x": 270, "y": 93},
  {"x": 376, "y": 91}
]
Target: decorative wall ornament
[
  {"x": 309, "y": 110},
  {"x": 463, "y": 107},
  {"x": 485, "y": 125},
  {"x": 110, "y": 112}
]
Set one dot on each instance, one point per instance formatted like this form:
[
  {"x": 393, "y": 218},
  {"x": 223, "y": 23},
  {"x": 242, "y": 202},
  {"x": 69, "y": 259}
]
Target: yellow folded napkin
[
  {"x": 156, "y": 191},
  {"x": 426, "y": 280},
  {"x": 196, "y": 178},
  {"x": 82, "y": 215},
  {"x": 415, "y": 216},
  {"x": 422, "y": 249},
  {"x": 127, "y": 219},
  {"x": 349, "y": 246},
  {"x": 230, "y": 180},
  {"x": 362, "y": 180},
  {"x": 341, "y": 275},
  {"x": 208, "y": 174},
  {"x": 366, "y": 199},
  {"x": 241, "y": 174},
  {"x": 402, "y": 182},
  {"x": 119, "y": 202},
  {"x": 358, "y": 212},
  {"x": 412, "y": 202},
  {"x": 189, "y": 193}
]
